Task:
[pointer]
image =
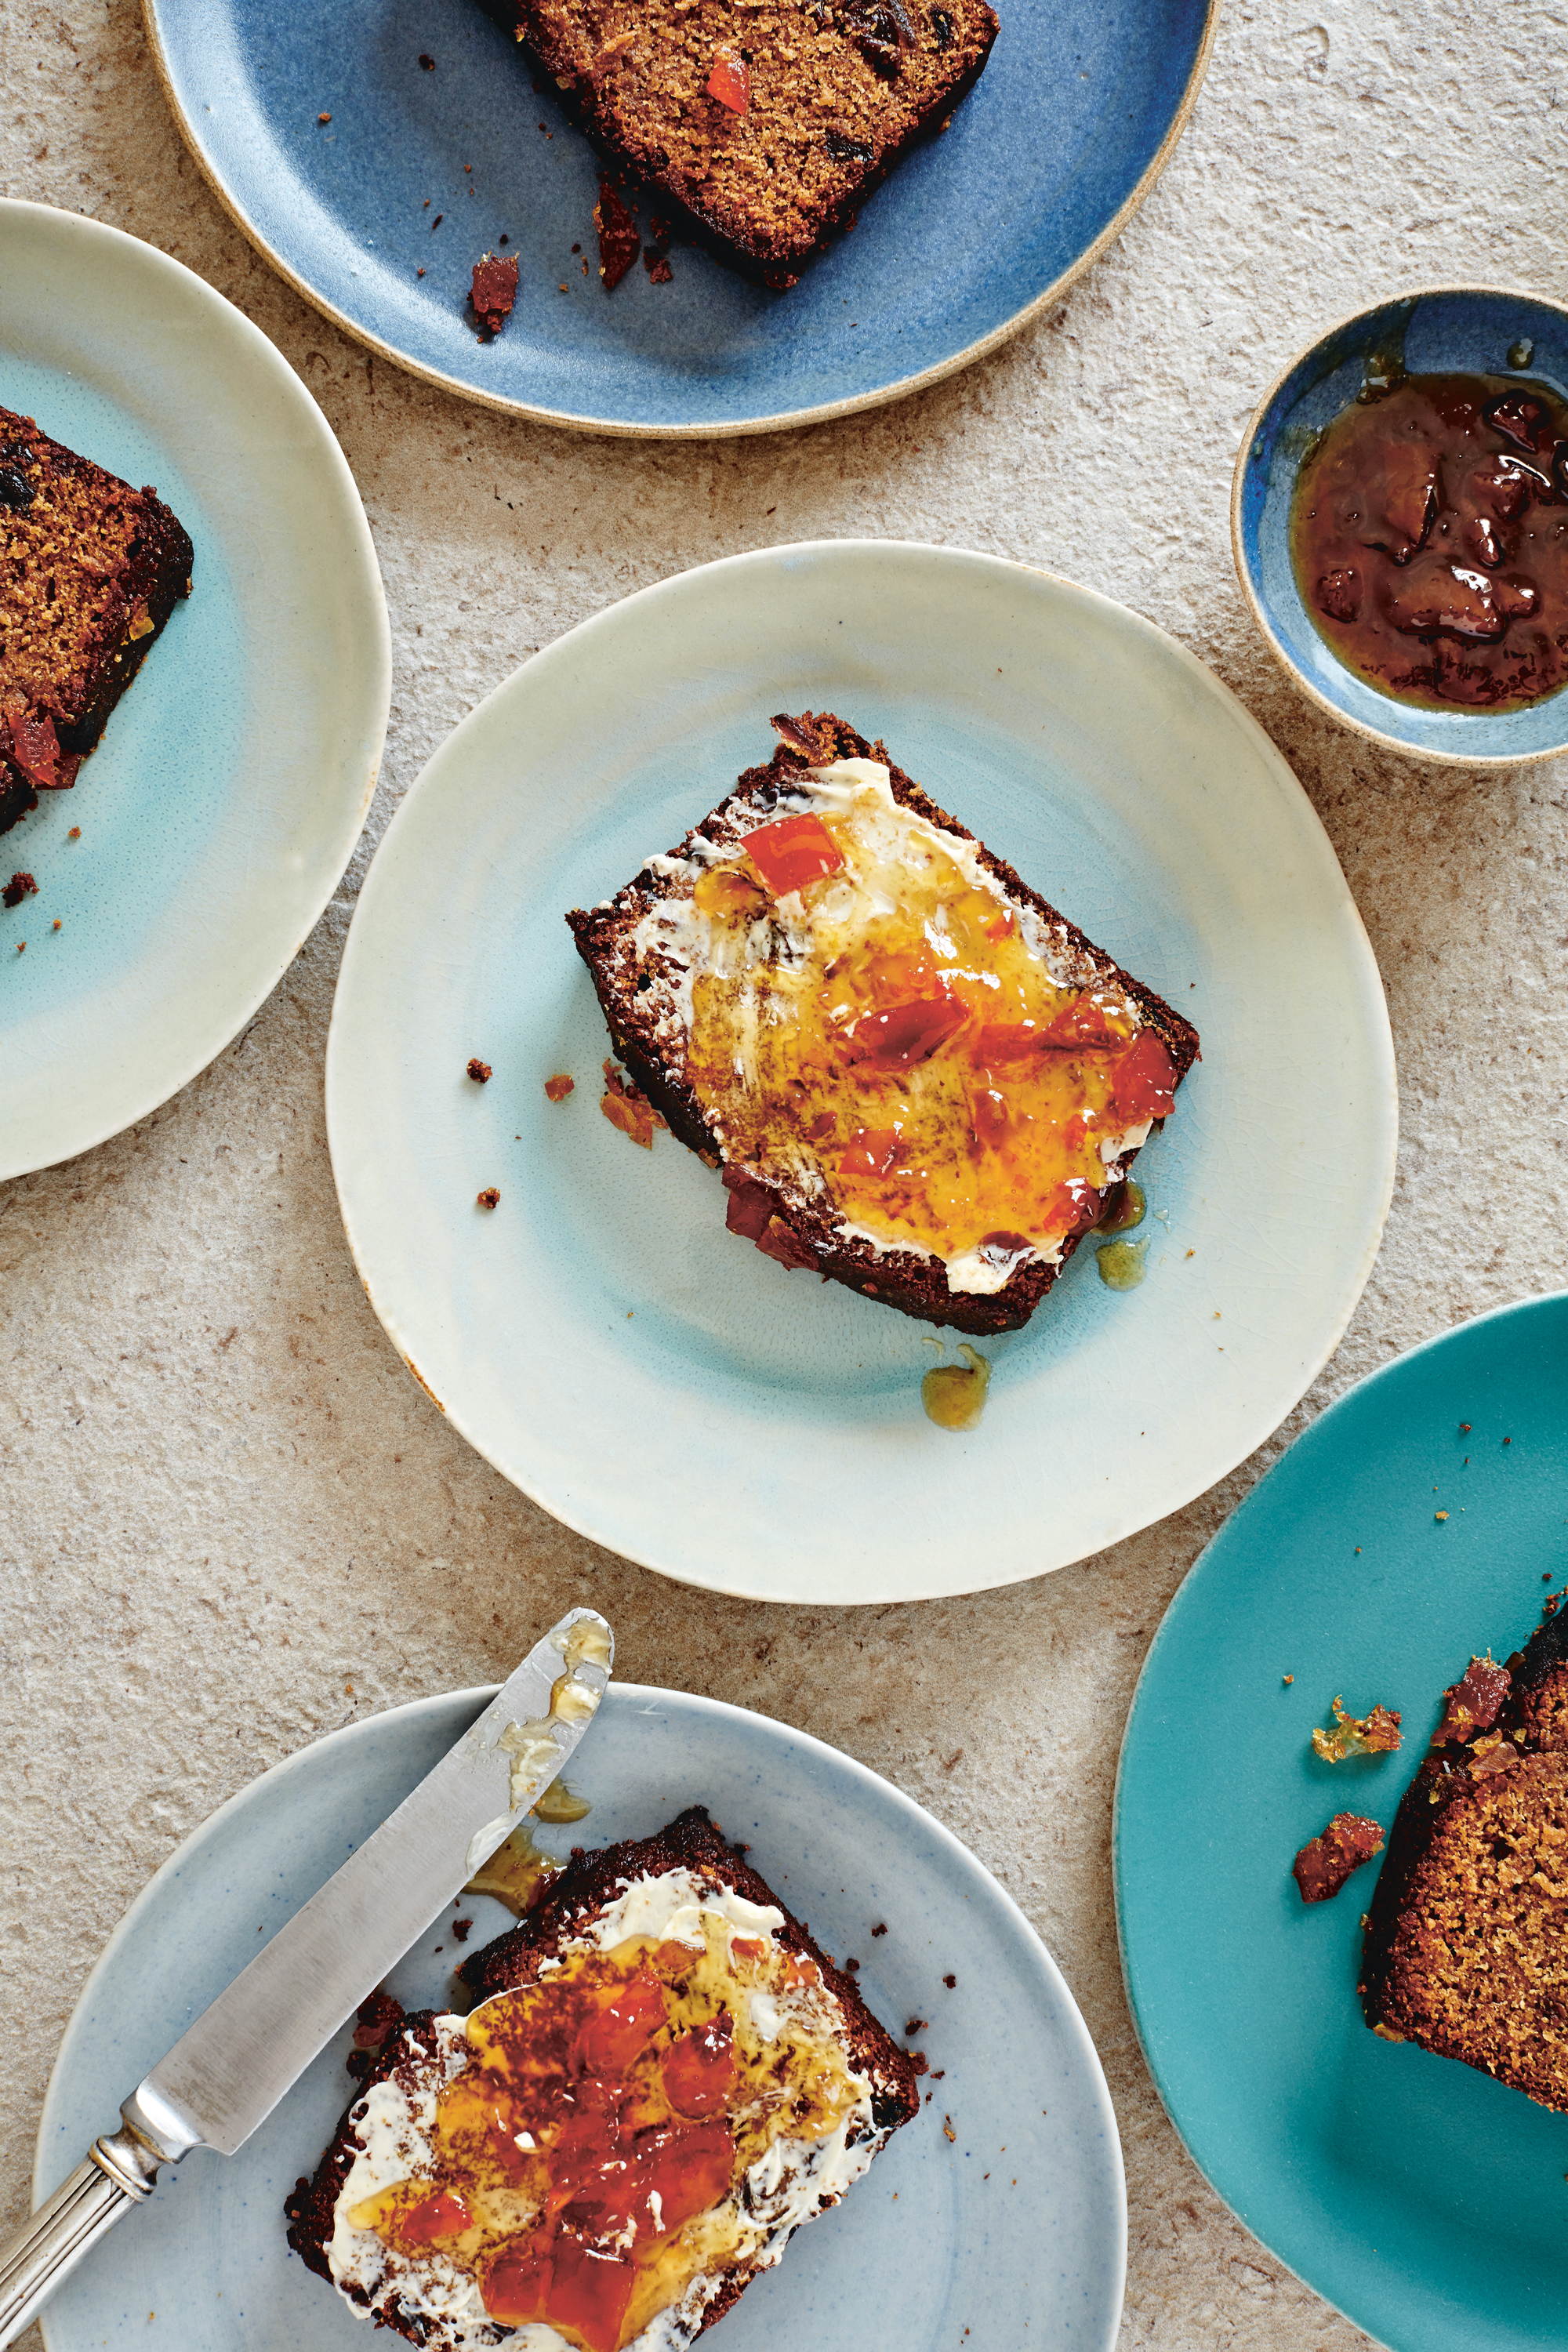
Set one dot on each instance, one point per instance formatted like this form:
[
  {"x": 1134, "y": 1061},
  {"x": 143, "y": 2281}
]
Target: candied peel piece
[
  {"x": 1374, "y": 1734},
  {"x": 1324, "y": 1862},
  {"x": 1473, "y": 1702},
  {"x": 627, "y": 1106}
]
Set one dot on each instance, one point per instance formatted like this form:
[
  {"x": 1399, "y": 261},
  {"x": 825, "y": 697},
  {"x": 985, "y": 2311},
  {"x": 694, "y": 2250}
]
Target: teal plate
[
  {"x": 1423, "y": 2199},
  {"x": 1011, "y": 2222}
]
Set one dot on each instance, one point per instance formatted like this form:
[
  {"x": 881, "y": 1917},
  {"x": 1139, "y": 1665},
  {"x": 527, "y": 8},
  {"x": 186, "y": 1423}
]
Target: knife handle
[{"x": 118, "y": 2174}]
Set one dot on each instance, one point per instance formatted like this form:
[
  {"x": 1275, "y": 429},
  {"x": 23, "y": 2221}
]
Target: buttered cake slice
[
  {"x": 919, "y": 1079},
  {"x": 664, "y": 2079}
]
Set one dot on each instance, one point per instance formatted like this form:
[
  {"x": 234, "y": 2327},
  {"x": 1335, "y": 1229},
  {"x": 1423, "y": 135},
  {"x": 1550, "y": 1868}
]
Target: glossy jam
[
  {"x": 1125, "y": 1207},
  {"x": 953, "y": 1395},
  {"x": 1429, "y": 534},
  {"x": 588, "y": 2157},
  {"x": 905, "y": 1044},
  {"x": 1120, "y": 1263},
  {"x": 516, "y": 1870}
]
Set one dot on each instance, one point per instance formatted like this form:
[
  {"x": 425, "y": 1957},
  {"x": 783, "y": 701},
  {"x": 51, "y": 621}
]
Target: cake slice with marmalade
[
  {"x": 1467, "y": 1937},
  {"x": 917, "y": 1077},
  {"x": 664, "y": 2079}
]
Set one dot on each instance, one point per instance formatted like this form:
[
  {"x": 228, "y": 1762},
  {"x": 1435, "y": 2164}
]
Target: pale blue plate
[
  {"x": 1469, "y": 329},
  {"x": 229, "y": 790},
  {"x": 1016, "y": 2228},
  {"x": 1071, "y": 123},
  {"x": 1423, "y": 2199},
  {"x": 663, "y": 1387}
]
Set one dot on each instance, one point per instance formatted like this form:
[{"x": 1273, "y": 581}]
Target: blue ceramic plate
[
  {"x": 665, "y": 1388},
  {"x": 1465, "y": 327},
  {"x": 1071, "y": 123},
  {"x": 1425, "y": 2199},
  {"x": 229, "y": 790},
  {"x": 1016, "y": 2227}
]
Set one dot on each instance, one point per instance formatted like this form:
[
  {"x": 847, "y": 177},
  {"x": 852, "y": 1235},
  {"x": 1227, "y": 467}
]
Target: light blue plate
[
  {"x": 1071, "y": 123},
  {"x": 1423, "y": 2199},
  {"x": 662, "y": 1386},
  {"x": 229, "y": 790},
  {"x": 1016, "y": 2228},
  {"x": 1465, "y": 328}
]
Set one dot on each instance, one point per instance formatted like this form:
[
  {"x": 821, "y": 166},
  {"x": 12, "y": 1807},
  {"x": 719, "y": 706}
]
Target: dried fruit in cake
[
  {"x": 665, "y": 2078},
  {"x": 1467, "y": 1940},
  {"x": 90, "y": 572},
  {"x": 765, "y": 129},
  {"x": 1326, "y": 1861},
  {"x": 919, "y": 1079}
]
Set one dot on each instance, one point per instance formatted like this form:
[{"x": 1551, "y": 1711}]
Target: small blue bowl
[{"x": 1440, "y": 330}]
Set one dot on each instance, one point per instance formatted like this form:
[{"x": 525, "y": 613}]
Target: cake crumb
[
  {"x": 558, "y": 1087},
  {"x": 323, "y": 118},
  {"x": 488, "y": 1198},
  {"x": 493, "y": 291},
  {"x": 881, "y": 1929},
  {"x": 75, "y": 833},
  {"x": 428, "y": 63},
  {"x": 949, "y": 1982},
  {"x": 20, "y": 887},
  {"x": 947, "y": 2130},
  {"x": 620, "y": 243},
  {"x": 1288, "y": 1679},
  {"x": 480, "y": 1071}
]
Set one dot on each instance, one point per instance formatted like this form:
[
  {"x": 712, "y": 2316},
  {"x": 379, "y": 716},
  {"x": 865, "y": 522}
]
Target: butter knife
[{"x": 227, "y": 2073}]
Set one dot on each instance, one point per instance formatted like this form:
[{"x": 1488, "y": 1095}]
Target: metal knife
[{"x": 225, "y": 2075}]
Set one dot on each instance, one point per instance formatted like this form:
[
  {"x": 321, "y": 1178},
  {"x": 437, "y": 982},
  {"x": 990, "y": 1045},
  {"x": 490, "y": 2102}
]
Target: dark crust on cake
[
  {"x": 913, "y": 1283},
  {"x": 564, "y": 39},
  {"x": 150, "y": 566},
  {"x": 1453, "y": 1811},
  {"x": 589, "y": 1885}
]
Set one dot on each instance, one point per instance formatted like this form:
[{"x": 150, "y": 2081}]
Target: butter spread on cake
[
  {"x": 921, "y": 1080},
  {"x": 666, "y": 2079}
]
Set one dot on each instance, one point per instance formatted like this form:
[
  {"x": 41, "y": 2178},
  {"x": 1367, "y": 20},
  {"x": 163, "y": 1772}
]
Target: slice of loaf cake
[
  {"x": 89, "y": 570},
  {"x": 920, "y": 1079},
  {"x": 665, "y": 2078},
  {"x": 762, "y": 128},
  {"x": 1466, "y": 1941}
]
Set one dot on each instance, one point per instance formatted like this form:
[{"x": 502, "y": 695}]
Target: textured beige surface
[{"x": 230, "y": 1520}]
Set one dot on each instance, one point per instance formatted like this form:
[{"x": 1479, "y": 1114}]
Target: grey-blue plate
[
  {"x": 1068, "y": 129},
  {"x": 1013, "y": 2229},
  {"x": 1423, "y": 2198},
  {"x": 1462, "y": 329}
]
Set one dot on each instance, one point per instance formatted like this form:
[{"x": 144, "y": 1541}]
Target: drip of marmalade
[
  {"x": 897, "y": 1039},
  {"x": 585, "y": 2160}
]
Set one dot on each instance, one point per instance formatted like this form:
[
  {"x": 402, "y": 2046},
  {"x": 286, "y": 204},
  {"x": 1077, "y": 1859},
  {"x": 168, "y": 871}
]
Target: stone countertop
[{"x": 229, "y": 1521}]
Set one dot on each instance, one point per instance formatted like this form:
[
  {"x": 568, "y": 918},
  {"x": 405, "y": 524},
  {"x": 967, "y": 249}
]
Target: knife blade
[{"x": 228, "y": 2071}]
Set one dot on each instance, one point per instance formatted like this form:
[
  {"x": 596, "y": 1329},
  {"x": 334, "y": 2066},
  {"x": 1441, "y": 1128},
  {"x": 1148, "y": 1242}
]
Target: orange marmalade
[
  {"x": 873, "y": 1018},
  {"x": 584, "y": 2164}
]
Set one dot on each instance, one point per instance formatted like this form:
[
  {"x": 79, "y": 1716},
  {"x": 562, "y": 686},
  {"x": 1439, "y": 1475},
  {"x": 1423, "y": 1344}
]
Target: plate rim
[
  {"x": 785, "y": 421},
  {"x": 378, "y": 685},
  {"x": 480, "y": 1694},
  {"x": 1535, "y": 1301},
  {"x": 583, "y": 1516},
  {"x": 1386, "y": 741}
]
